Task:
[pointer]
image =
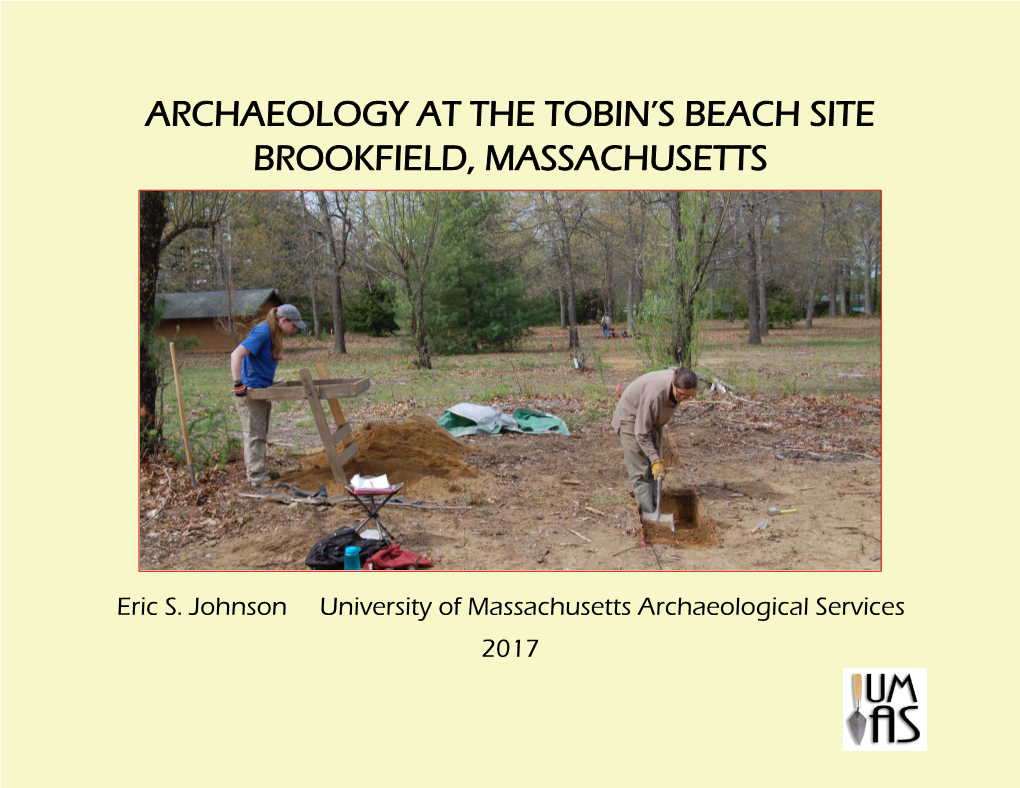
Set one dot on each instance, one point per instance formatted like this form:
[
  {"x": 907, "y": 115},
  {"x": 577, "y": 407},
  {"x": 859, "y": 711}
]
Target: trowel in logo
[{"x": 857, "y": 721}]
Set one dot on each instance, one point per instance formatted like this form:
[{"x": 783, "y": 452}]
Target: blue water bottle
[{"x": 352, "y": 558}]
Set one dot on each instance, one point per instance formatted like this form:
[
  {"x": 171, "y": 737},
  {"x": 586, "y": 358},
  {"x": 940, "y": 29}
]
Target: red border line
[{"x": 881, "y": 516}]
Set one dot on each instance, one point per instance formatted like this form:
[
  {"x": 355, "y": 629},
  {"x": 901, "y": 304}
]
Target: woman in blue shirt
[{"x": 253, "y": 366}]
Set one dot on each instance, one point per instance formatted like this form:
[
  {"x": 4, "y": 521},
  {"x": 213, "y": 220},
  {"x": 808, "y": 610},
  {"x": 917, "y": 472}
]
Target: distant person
[
  {"x": 253, "y": 366},
  {"x": 606, "y": 323},
  {"x": 645, "y": 407}
]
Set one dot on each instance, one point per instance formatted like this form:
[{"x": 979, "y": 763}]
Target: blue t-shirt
[{"x": 259, "y": 367}]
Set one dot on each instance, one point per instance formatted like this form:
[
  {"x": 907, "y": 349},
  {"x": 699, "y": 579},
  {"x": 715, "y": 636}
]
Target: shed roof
[{"x": 213, "y": 303}]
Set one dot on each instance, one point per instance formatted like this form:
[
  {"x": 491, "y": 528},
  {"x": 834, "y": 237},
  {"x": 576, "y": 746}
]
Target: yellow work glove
[{"x": 658, "y": 470}]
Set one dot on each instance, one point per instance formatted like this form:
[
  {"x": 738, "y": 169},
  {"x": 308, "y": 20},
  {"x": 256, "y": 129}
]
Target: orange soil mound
[{"x": 404, "y": 450}]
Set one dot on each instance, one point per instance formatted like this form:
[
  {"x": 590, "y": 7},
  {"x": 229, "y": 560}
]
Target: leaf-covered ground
[{"x": 803, "y": 432}]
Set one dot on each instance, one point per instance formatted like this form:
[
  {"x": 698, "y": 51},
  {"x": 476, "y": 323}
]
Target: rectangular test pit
[{"x": 691, "y": 526}]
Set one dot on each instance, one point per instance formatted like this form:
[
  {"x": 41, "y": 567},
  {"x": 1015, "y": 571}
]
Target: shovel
[
  {"x": 659, "y": 518},
  {"x": 856, "y": 721}
]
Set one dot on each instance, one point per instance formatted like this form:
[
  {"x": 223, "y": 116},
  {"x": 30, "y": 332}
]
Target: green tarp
[
  {"x": 467, "y": 418},
  {"x": 540, "y": 423}
]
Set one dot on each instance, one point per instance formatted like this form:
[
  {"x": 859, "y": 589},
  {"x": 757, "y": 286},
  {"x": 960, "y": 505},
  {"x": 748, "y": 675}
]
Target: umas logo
[{"x": 887, "y": 708}]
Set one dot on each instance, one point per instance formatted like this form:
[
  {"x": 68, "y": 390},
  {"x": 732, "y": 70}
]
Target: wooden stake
[{"x": 184, "y": 422}]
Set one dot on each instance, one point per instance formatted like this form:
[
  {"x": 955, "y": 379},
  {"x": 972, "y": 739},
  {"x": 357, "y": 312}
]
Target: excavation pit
[{"x": 692, "y": 527}]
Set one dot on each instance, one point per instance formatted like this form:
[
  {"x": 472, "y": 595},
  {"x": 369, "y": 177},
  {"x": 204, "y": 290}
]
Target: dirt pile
[{"x": 405, "y": 451}]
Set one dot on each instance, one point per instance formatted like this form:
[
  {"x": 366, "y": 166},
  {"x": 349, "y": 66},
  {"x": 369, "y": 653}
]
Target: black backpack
[{"x": 328, "y": 552}]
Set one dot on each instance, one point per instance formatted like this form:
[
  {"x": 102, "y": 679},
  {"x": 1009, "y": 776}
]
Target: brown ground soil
[{"x": 561, "y": 502}]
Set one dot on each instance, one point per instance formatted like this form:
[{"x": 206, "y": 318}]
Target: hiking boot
[{"x": 272, "y": 476}]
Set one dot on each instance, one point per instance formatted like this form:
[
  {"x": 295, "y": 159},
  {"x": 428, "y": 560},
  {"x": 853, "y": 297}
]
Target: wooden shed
[{"x": 204, "y": 315}]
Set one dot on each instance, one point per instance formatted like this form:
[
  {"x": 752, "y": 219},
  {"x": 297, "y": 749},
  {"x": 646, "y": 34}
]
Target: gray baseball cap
[{"x": 291, "y": 312}]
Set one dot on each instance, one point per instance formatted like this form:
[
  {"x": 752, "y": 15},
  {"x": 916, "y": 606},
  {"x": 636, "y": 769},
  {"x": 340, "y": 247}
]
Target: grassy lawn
[{"x": 838, "y": 357}]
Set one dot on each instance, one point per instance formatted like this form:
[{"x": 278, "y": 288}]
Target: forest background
[{"x": 473, "y": 272}]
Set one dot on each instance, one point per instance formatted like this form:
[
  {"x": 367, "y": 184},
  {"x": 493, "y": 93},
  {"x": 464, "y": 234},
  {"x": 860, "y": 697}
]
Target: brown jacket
[{"x": 644, "y": 408}]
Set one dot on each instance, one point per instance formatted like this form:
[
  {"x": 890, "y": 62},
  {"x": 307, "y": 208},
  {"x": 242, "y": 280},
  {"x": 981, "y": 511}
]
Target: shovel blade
[
  {"x": 661, "y": 519},
  {"x": 658, "y": 518},
  {"x": 857, "y": 722}
]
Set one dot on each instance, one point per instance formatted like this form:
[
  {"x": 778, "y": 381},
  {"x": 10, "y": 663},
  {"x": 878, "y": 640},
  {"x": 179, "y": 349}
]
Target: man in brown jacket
[{"x": 645, "y": 408}]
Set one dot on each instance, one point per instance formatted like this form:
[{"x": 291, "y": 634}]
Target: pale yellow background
[{"x": 93, "y": 699}]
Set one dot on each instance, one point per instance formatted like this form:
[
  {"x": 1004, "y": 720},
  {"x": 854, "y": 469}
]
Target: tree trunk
[
  {"x": 753, "y": 323},
  {"x": 339, "y": 343},
  {"x": 345, "y": 219},
  {"x": 313, "y": 287},
  {"x": 337, "y": 304},
  {"x": 563, "y": 307},
  {"x": 763, "y": 311},
  {"x": 685, "y": 336},
  {"x": 818, "y": 265},
  {"x": 421, "y": 344},
  {"x": 609, "y": 282},
  {"x": 228, "y": 268},
  {"x": 869, "y": 299},
  {"x": 679, "y": 332},
  {"x": 833, "y": 289},
  {"x": 220, "y": 257},
  {"x": 867, "y": 287},
  {"x": 568, "y": 271},
  {"x": 875, "y": 259},
  {"x": 571, "y": 307},
  {"x": 153, "y": 218},
  {"x": 339, "y": 328},
  {"x": 630, "y": 304},
  {"x": 640, "y": 268},
  {"x": 216, "y": 252},
  {"x": 841, "y": 280}
]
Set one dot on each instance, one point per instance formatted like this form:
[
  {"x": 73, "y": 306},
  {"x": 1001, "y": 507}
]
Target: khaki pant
[
  {"x": 639, "y": 470},
  {"x": 254, "y": 415}
]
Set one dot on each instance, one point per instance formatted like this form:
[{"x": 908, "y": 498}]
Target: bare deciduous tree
[
  {"x": 562, "y": 216},
  {"x": 338, "y": 258},
  {"x": 406, "y": 224}
]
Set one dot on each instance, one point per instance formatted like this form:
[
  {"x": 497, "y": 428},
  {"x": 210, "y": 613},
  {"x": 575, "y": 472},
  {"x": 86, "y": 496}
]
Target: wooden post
[
  {"x": 335, "y": 409},
  {"x": 312, "y": 395}
]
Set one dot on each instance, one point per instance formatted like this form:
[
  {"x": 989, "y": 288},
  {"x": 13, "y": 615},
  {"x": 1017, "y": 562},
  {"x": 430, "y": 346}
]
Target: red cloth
[{"x": 394, "y": 557}]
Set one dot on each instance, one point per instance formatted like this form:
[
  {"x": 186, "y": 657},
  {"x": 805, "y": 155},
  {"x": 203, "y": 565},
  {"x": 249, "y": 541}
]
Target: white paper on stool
[{"x": 359, "y": 482}]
